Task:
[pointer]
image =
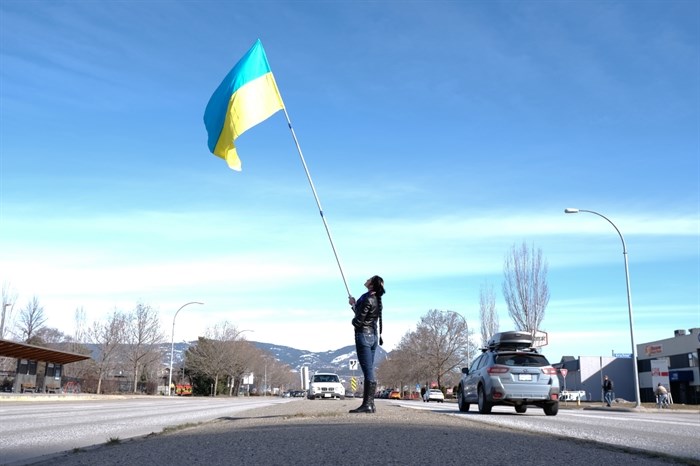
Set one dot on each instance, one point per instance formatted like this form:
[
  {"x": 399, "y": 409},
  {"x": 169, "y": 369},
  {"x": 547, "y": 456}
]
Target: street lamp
[
  {"x": 172, "y": 344},
  {"x": 629, "y": 299}
]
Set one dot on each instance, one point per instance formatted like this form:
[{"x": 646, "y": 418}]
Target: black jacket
[{"x": 367, "y": 311}]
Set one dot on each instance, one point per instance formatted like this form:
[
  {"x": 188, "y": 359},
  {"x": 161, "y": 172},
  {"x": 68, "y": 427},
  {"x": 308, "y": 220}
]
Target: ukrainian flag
[{"x": 248, "y": 95}]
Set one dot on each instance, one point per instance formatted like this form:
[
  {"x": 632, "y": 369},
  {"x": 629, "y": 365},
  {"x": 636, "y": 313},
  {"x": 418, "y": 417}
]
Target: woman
[{"x": 368, "y": 310}]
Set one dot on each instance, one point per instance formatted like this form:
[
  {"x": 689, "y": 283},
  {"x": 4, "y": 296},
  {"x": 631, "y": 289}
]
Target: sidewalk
[{"x": 629, "y": 406}]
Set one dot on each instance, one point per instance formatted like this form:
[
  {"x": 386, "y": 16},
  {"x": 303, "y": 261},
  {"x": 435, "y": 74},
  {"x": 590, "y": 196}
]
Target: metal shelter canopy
[{"x": 17, "y": 350}]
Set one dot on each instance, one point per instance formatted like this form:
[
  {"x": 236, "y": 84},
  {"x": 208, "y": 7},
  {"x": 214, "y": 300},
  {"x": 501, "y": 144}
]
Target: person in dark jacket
[
  {"x": 367, "y": 324},
  {"x": 608, "y": 390}
]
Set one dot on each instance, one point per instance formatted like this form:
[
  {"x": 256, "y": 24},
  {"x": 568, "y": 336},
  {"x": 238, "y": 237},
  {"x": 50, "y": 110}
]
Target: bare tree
[
  {"x": 404, "y": 366},
  {"x": 525, "y": 287},
  {"x": 244, "y": 359},
  {"x": 279, "y": 375},
  {"x": 406, "y": 362},
  {"x": 75, "y": 344},
  {"x": 9, "y": 298},
  {"x": 80, "y": 330},
  {"x": 50, "y": 337},
  {"x": 31, "y": 320},
  {"x": 142, "y": 334},
  {"x": 204, "y": 359},
  {"x": 108, "y": 336},
  {"x": 443, "y": 340},
  {"x": 487, "y": 313},
  {"x": 433, "y": 352},
  {"x": 215, "y": 355},
  {"x": 273, "y": 374}
]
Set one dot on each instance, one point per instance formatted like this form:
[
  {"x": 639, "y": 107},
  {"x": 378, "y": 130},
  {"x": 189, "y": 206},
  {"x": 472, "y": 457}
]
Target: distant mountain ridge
[{"x": 337, "y": 361}]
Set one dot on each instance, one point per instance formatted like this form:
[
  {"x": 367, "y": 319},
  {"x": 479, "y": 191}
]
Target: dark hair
[{"x": 377, "y": 283}]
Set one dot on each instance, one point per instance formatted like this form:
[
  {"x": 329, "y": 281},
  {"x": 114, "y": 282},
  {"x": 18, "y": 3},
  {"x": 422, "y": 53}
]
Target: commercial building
[
  {"x": 673, "y": 362},
  {"x": 586, "y": 373}
]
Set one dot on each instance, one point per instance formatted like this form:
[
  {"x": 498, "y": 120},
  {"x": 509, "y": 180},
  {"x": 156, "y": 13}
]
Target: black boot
[
  {"x": 370, "y": 398},
  {"x": 367, "y": 399}
]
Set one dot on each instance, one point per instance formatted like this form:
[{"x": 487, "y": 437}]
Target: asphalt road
[
  {"x": 47, "y": 425},
  {"x": 300, "y": 431},
  {"x": 666, "y": 432}
]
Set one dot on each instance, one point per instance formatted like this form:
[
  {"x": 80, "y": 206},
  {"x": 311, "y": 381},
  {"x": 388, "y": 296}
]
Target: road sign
[
  {"x": 564, "y": 372},
  {"x": 540, "y": 339},
  {"x": 353, "y": 364},
  {"x": 353, "y": 384}
]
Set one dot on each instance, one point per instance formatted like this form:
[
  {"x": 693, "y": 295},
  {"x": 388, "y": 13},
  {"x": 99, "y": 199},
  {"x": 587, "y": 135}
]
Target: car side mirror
[{"x": 465, "y": 370}]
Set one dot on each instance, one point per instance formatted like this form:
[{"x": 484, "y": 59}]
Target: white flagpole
[{"x": 318, "y": 202}]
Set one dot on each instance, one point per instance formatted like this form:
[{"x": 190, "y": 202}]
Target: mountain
[{"x": 336, "y": 361}]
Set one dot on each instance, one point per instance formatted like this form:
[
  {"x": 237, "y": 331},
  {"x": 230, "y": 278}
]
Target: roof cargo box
[{"x": 510, "y": 340}]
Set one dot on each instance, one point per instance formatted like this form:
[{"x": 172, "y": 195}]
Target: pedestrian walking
[{"x": 608, "y": 394}]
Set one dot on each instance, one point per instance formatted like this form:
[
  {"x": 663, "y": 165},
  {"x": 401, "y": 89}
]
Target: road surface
[{"x": 300, "y": 431}]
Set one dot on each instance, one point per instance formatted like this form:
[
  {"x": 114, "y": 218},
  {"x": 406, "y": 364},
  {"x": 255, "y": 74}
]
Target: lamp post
[
  {"x": 629, "y": 300},
  {"x": 172, "y": 344}
]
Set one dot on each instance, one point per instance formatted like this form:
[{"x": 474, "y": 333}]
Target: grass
[{"x": 180, "y": 427}]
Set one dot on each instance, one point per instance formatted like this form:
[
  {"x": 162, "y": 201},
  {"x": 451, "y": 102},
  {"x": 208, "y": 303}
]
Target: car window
[
  {"x": 480, "y": 362},
  {"x": 475, "y": 362},
  {"x": 325, "y": 378},
  {"x": 519, "y": 359}
]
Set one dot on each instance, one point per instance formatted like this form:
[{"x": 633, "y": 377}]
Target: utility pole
[{"x": 2, "y": 322}]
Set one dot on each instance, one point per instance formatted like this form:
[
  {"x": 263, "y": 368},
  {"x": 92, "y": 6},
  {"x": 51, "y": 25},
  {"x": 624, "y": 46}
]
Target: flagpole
[{"x": 318, "y": 202}]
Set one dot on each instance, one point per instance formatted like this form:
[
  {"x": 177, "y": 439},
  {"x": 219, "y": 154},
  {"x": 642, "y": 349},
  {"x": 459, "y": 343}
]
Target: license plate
[
  {"x": 524, "y": 377},
  {"x": 326, "y": 395}
]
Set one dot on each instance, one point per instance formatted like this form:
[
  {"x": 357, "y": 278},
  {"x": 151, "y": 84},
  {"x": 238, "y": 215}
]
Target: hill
[{"x": 327, "y": 361}]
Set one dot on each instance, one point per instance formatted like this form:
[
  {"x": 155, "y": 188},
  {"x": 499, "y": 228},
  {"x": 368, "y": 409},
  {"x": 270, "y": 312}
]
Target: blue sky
[{"x": 438, "y": 135}]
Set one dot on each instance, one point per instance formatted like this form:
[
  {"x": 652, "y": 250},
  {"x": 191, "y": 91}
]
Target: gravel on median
[{"x": 322, "y": 432}]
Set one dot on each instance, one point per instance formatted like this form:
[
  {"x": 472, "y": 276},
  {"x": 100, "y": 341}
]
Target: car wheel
[
  {"x": 461, "y": 402},
  {"x": 484, "y": 406},
  {"x": 551, "y": 409},
  {"x": 520, "y": 408}
]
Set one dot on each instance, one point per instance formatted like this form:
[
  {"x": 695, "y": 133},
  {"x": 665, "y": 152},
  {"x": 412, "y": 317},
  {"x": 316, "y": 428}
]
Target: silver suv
[{"x": 509, "y": 372}]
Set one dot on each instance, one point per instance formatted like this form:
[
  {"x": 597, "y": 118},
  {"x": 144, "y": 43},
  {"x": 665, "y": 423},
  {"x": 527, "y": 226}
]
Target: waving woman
[{"x": 368, "y": 330}]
